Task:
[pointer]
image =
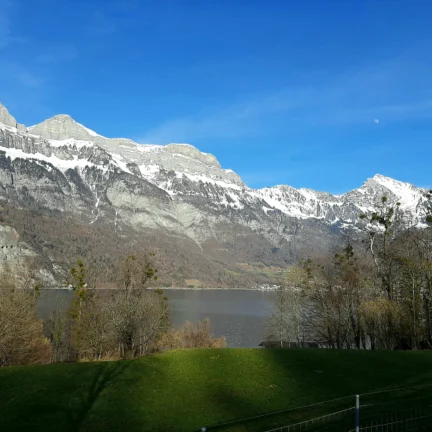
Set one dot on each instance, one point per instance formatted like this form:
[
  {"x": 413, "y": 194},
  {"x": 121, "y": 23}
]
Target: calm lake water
[{"x": 239, "y": 315}]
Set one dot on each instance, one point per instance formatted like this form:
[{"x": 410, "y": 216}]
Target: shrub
[
  {"x": 21, "y": 333},
  {"x": 191, "y": 335}
]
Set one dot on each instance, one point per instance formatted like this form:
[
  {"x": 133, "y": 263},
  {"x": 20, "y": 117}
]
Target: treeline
[
  {"x": 128, "y": 322},
  {"x": 60, "y": 239},
  {"x": 376, "y": 294}
]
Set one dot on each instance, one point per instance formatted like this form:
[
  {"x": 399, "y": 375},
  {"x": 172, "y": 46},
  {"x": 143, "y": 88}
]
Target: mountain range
[{"x": 64, "y": 186}]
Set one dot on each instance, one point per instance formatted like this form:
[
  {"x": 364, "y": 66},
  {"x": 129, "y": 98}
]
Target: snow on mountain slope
[
  {"x": 182, "y": 158},
  {"x": 195, "y": 179},
  {"x": 411, "y": 198},
  {"x": 407, "y": 193}
]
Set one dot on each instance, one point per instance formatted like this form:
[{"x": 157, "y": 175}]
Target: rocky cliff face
[
  {"x": 8, "y": 120},
  {"x": 18, "y": 260},
  {"x": 60, "y": 165}
]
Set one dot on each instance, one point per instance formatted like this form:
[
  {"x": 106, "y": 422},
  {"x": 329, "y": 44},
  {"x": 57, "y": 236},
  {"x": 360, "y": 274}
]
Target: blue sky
[{"x": 312, "y": 93}]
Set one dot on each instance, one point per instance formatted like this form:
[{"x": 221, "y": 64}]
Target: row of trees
[
  {"x": 375, "y": 294},
  {"x": 124, "y": 323},
  {"x": 128, "y": 322}
]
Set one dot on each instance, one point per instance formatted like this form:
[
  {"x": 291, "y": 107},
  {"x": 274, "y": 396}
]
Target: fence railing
[
  {"x": 407, "y": 409},
  {"x": 396, "y": 414},
  {"x": 416, "y": 419},
  {"x": 395, "y": 422},
  {"x": 398, "y": 420},
  {"x": 294, "y": 412},
  {"x": 312, "y": 423}
]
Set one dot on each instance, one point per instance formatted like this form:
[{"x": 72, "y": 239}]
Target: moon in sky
[{"x": 376, "y": 121}]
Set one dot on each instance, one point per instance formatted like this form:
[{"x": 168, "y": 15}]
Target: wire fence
[
  {"x": 415, "y": 419},
  {"x": 398, "y": 422},
  {"x": 398, "y": 411},
  {"x": 408, "y": 414},
  {"x": 401, "y": 410},
  {"x": 312, "y": 423},
  {"x": 406, "y": 409},
  {"x": 289, "y": 413}
]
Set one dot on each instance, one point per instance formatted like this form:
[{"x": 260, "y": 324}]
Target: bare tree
[
  {"x": 21, "y": 334},
  {"x": 379, "y": 318},
  {"x": 381, "y": 228},
  {"x": 126, "y": 323},
  {"x": 96, "y": 338},
  {"x": 138, "y": 319},
  {"x": 378, "y": 300},
  {"x": 285, "y": 324}
]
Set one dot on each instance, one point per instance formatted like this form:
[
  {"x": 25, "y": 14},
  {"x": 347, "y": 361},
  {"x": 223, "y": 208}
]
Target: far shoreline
[{"x": 166, "y": 289}]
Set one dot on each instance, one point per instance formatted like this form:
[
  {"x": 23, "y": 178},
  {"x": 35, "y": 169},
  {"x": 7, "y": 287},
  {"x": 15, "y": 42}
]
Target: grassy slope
[{"x": 184, "y": 390}]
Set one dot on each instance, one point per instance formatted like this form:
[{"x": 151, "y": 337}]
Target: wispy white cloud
[
  {"x": 56, "y": 54},
  {"x": 13, "y": 72},
  {"x": 354, "y": 97},
  {"x": 119, "y": 6},
  {"x": 228, "y": 122},
  {"x": 102, "y": 24},
  {"x": 27, "y": 70},
  {"x": 5, "y": 28},
  {"x": 28, "y": 78},
  {"x": 240, "y": 119},
  {"x": 7, "y": 37},
  {"x": 4, "y": 31}
]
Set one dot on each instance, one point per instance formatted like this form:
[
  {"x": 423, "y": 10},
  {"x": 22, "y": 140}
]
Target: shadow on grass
[
  {"x": 182, "y": 391},
  {"x": 127, "y": 397},
  {"x": 308, "y": 376},
  {"x": 56, "y": 397},
  {"x": 104, "y": 376}
]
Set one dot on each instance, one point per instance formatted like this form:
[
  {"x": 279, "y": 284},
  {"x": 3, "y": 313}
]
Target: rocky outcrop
[
  {"x": 12, "y": 252},
  {"x": 8, "y": 120},
  {"x": 63, "y": 166},
  {"x": 9, "y": 237},
  {"x": 182, "y": 158},
  {"x": 61, "y": 127}
]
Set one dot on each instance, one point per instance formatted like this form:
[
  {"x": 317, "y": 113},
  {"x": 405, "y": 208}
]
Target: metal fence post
[{"x": 357, "y": 414}]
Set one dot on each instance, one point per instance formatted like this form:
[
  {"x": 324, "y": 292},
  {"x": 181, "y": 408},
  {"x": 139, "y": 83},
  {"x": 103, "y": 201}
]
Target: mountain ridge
[
  {"x": 38, "y": 129},
  {"x": 176, "y": 190},
  {"x": 63, "y": 131}
]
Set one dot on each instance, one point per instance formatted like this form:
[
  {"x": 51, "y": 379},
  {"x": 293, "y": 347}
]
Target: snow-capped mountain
[{"x": 62, "y": 165}]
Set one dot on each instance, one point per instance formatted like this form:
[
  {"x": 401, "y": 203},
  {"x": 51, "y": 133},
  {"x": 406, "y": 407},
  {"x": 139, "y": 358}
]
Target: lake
[{"x": 239, "y": 315}]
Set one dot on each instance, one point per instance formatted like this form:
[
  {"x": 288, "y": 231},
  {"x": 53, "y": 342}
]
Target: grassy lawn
[{"x": 184, "y": 390}]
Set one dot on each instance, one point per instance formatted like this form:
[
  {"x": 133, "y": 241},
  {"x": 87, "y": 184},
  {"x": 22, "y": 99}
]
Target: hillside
[
  {"x": 203, "y": 221},
  {"x": 185, "y": 390}
]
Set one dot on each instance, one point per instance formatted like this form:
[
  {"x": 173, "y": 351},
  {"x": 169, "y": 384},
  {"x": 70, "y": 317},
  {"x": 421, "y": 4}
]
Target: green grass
[{"x": 184, "y": 390}]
